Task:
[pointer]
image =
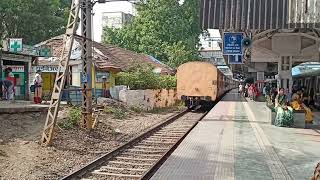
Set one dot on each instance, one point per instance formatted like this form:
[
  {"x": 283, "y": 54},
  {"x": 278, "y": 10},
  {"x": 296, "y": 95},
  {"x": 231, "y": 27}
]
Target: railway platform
[
  {"x": 7, "y": 107},
  {"x": 235, "y": 141}
]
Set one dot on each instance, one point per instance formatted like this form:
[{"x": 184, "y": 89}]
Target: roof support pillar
[{"x": 284, "y": 78}]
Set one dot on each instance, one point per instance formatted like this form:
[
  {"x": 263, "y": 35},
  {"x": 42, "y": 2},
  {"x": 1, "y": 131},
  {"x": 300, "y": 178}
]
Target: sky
[
  {"x": 98, "y": 9},
  {"x": 125, "y": 7}
]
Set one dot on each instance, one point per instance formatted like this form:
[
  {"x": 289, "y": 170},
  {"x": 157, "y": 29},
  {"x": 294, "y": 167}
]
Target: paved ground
[
  {"x": 235, "y": 141},
  {"x": 21, "y": 106}
]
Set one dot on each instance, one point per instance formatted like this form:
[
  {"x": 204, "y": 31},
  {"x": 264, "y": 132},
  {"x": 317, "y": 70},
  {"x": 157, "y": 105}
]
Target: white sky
[
  {"x": 98, "y": 9},
  {"x": 125, "y": 7}
]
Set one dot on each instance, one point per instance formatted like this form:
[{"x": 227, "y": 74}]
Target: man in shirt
[{"x": 8, "y": 89}]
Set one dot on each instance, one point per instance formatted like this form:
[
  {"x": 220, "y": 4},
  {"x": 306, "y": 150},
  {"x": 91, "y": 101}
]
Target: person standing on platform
[
  {"x": 284, "y": 117},
  {"x": 38, "y": 88},
  {"x": 240, "y": 89},
  {"x": 246, "y": 90},
  {"x": 11, "y": 89},
  {"x": 8, "y": 88},
  {"x": 264, "y": 90}
]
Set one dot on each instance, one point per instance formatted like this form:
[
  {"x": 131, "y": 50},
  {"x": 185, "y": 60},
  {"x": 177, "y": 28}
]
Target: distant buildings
[
  {"x": 115, "y": 19},
  {"x": 211, "y": 51}
]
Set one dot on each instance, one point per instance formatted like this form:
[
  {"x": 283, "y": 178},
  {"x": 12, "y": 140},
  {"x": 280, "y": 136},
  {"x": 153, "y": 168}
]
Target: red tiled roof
[{"x": 108, "y": 57}]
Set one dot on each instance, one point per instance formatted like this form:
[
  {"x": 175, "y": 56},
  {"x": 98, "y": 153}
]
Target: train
[
  {"x": 201, "y": 83},
  {"x": 311, "y": 82}
]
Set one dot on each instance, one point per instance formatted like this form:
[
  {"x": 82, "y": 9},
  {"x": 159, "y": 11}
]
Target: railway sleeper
[
  {"x": 165, "y": 137},
  {"x": 97, "y": 172},
  {"x": 134, "y": 159},
  {"x": 141, "y": 154},
  {"x": 103, "y": 168},
  {"x": 167, "y": 146},
  {"x": 150, "y": 147},
  {"x": 158, "y": 142},
  {"x": 130, "y": 163},
  {"x": 146, "y": 151},
  {"x": 171, "y": 132},
  {"x": 174, "y": 132},
  {"x": 177, "y": 129}
]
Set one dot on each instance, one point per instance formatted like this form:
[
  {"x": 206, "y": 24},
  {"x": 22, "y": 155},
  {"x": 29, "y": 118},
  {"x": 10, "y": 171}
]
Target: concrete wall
[{"x": 148, "y": 99}]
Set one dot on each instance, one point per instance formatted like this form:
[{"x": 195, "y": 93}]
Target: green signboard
[{"x": 15, "y": 45}]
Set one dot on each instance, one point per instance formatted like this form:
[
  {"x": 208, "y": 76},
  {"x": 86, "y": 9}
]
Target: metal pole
[{"x": 86, "y": 64}]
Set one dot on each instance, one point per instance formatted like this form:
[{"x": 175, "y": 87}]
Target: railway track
[{"x": 142, "y": 156}]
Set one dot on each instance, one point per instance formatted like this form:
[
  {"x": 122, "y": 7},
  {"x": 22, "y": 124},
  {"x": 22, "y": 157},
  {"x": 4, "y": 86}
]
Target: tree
[
  {"x": 164, "y": 29},
  {"x": 33, "y": 20}
]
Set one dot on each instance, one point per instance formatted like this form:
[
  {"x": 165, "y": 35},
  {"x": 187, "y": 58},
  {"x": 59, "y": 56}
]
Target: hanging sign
[
  {"x": 15, "y": 45},
  {"x": 232, "y": 44},
  {"x": 235, "y": 59}
]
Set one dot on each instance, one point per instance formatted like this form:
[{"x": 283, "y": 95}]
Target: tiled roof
[{"x": 110, "y": 57}]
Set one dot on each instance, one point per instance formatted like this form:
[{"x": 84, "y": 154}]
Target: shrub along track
[{"x": 142, "y": 156}]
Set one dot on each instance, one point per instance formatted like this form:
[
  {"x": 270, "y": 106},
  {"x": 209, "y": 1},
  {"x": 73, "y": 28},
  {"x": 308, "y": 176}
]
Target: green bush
[
  {"x": 119, "y": 114},
  {"x": 73, "y": 119},
  {"x": 109, "y": 110},
  {"x": 144, "y": 78},
  {"x": 136, "y": 109}
]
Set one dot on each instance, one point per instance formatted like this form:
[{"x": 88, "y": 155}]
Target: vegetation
[
  {"x": 33, "y": 20},
  {"x": 144, "y": 78},
  {"x": 164, "y": 29},
  {"x": 118, "y": 113},
  {"x": 73, "y": 119}
]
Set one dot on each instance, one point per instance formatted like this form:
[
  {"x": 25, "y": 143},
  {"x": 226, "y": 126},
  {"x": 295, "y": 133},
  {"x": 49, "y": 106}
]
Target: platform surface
[
  {"x": 235, "y": 141},
  {"x": 21, "y": 107}
]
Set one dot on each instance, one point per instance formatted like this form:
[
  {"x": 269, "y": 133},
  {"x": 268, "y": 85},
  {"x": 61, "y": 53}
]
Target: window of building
[
  {"x": 101, "y": 75},
  {"x": 210, "y": 44}
]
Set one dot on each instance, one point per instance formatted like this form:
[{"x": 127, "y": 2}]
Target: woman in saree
[
  {"x": 297, "y": 104},
  {"x": 284, "y": 117}
]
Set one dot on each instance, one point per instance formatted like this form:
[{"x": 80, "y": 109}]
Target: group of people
[
  {"x": 249, "y": 90},
  {"x": 283, "y": 104},
  {"x": 7, "y": 86},
  {"x": 300, "y": 100}
]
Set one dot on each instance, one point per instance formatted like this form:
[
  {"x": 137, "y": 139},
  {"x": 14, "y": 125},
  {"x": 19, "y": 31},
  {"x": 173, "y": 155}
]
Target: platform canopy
[
  {"x": 306, "y": 69},
  {"x": 241, "y": 15}
]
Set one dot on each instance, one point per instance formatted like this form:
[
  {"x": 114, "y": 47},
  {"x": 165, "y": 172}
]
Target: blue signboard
[
  {"x": 232, "y": 43},
  {"x": 84, "y": 77},
  {"x": 235, "y": 59}
]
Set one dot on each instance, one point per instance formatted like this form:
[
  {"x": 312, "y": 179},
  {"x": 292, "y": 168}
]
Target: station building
[
  {"x": 107, "y": 60},
  {"x": 21, "y": 65}
]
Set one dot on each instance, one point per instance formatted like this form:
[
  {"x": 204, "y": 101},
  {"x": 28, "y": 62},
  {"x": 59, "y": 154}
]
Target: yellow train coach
[{"x": 201, "y": 83}]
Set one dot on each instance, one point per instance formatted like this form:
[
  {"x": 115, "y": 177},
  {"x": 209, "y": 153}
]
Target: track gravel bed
[
  {"x": 22, "y": 157},
  {"x": 139, "y": 157}
]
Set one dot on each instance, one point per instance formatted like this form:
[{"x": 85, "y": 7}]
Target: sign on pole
[
  {"x": 235, "y": 59},
  {"x": 15, "y": 45},
  {"x": 232, "y": 43}
]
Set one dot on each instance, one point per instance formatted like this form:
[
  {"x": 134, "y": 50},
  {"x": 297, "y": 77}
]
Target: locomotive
[{"x": 202, "y": 84}]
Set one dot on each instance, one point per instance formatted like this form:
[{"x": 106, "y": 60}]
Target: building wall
[
  {"x": 149, "y": 99},
  {"x": 115, "y": 19}
]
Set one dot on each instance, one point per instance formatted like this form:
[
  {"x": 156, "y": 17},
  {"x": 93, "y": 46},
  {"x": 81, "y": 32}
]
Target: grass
[
  {"x": 136, "y": 109},
  {"x": 118, "y": 113},
  {"x": 73, "y": 119}
]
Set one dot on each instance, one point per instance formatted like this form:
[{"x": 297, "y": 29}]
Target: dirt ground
[{"x": 21, "y": 156}]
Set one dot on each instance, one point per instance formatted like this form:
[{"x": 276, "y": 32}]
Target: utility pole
[
  {"x": 86, "y": 63},
  {"x": 61, "y": 75},
  {"x": 63, "y": 70}
]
